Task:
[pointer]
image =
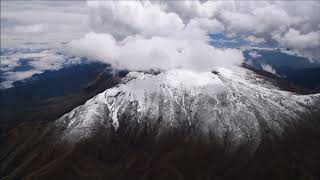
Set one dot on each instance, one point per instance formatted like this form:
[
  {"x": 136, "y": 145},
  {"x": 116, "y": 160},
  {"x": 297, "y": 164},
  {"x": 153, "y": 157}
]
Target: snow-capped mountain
[
  {"x": 153, "y": 125},
  {"x": 234, "y": 101}
]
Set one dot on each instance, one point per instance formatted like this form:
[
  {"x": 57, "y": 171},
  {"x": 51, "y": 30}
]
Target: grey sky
[{"x": 42, "y": 22}]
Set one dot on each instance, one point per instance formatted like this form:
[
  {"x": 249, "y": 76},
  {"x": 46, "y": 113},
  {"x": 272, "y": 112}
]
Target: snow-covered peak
[
  {"x": 235, "y": 101},
  {"x": 134, "y": 75},
  {"x": 175, "y": 80}
]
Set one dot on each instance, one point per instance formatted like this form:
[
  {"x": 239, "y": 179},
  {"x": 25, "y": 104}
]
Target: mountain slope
[
  {"x": 151, "y": 126},
  {"x": 235, "y": 102}
]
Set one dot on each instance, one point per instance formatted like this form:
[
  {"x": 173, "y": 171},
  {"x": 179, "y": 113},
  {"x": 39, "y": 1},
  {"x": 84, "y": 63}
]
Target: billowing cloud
[
  {"x": 140, "y": 35},
  {"x": 295, "y": 39},
  {"x": 170, "y": 34},
  {"x": 304, "y": 44},
  {"x": 261, "y": 21},
  {"x": 123, "y": 18},
  {"x": 139, "y": 53}
]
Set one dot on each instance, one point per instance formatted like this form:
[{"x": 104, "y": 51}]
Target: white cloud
[
  {"x": 35, "y": 28},
  {"x": 123, "y": 18},
  {"x": 11, "y": 77},
  {"x": 303, "y": 44},
  {"x": 254, "y": 54},
  {"x": 207, "y": 25},
  {"x": 38, "y": 62},
  {"x": 139, "y": 53},
  {"x": 191, "y": 9},
  {"x": 254, "y": 40},
  {"x": 259, "y": 21},
  {"x": 158, "y": 34},
  {"x": 294, "y": 39},
  {"x": 139, "y": 35},
  {"x": 269, "y": 68}
]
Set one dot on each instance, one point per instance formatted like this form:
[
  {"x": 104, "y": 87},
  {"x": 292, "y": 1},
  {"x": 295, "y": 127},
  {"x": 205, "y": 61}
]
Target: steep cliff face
[{"x": 236, "y": 102}]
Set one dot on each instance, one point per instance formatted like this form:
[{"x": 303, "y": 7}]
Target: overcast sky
[
  {"x": 42, "y": 21},
  {"x": 139, "y": 35}
]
